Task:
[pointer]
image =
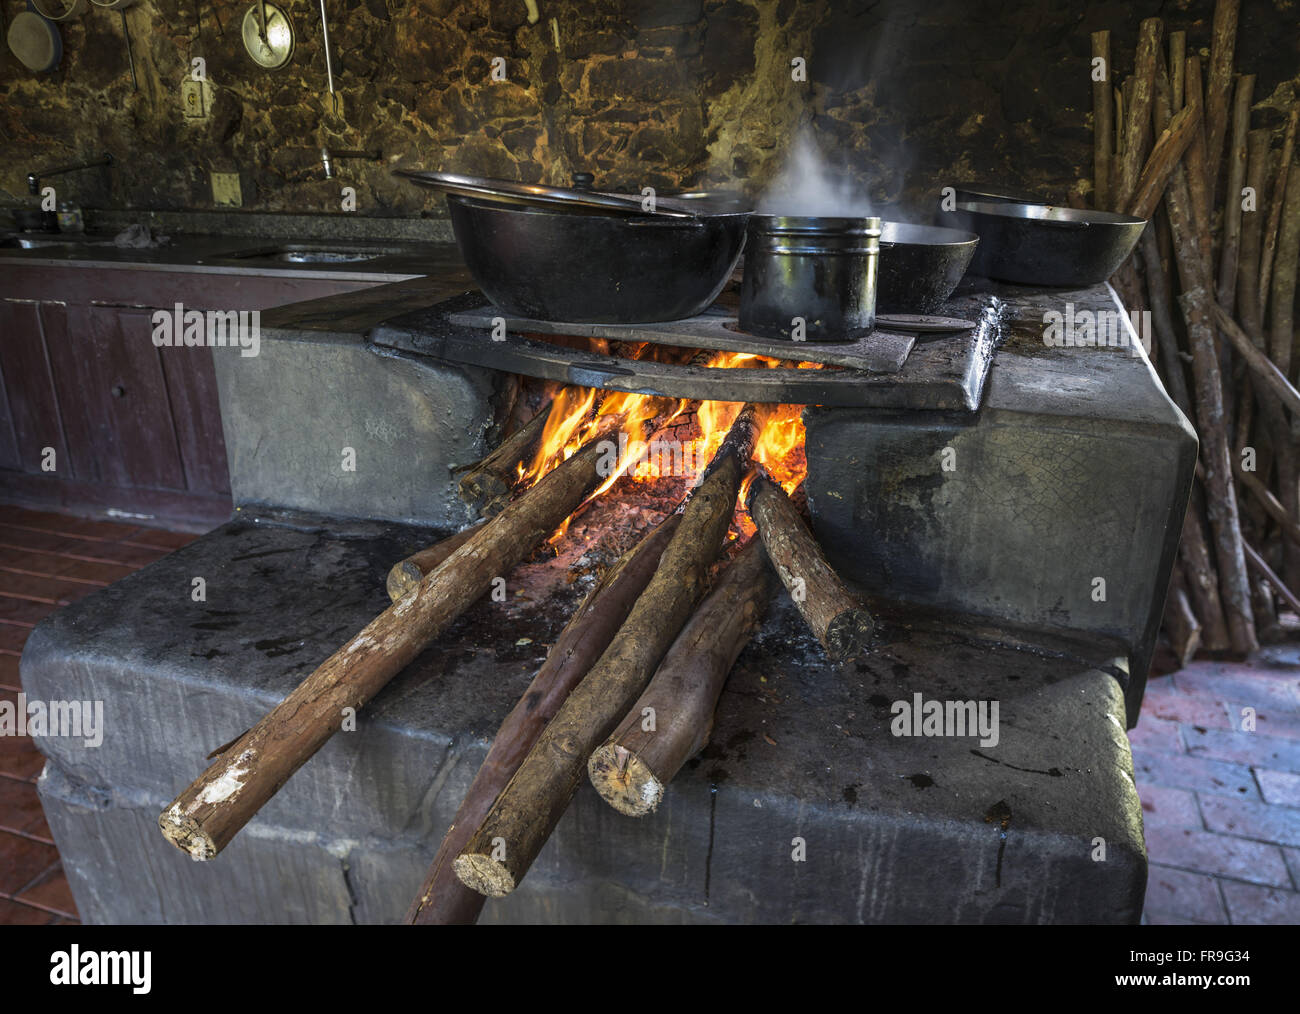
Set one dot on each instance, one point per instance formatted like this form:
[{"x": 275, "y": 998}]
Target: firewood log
[
  {"x": 671, "y": 721},
  {"x": 1166, "y": 154},
  {"x": 442, "y": 898},
  {"x": 487, "y": 486},
  {"x": 1218, "y": 92},
  {"x": 1137, "y": 128},
  {"x": 835, "y": 615},
  {"x": 1227, "y": 291},
  {"x": 1197, "y": 302},
  {"x": 206, "y": 816},
  {"x": 1180, "y": 623},
  {"x": 1282, "y": 295},
  {"x": 1277, "y": 200},
  {"x": 1252, "y": 234},
  {"x": 504, "y": 846},
  {"x": 1103, "y": 126},
  {"x": 406, "y": 575}
]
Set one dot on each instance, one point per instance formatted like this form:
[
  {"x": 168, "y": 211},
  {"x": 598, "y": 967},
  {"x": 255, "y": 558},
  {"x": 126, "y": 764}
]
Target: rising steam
[{"x": 807, "y": 185}]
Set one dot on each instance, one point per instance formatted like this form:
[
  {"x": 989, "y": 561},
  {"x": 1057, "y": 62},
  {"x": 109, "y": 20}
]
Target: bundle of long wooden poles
[{"x": 1216, "y": 268}]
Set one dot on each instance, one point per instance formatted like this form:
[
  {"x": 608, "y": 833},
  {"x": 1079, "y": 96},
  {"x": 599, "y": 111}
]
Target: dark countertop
[{"x": 389, "y": 261}]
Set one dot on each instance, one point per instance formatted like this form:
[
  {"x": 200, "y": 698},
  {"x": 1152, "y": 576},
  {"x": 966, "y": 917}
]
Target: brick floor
[
  {"x": 48, "y": 560},
  {"x": 1221, "y": 802}
]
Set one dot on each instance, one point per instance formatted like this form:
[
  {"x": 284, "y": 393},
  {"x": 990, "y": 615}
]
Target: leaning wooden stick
[
  {"x": 1180, "y": 623},
  {"x": 207, "y": 815},
  {"x": 487, "y": 486},
  {"x": 1227, "y": 291},
  {"x": 1277, "y": 198},
  {"x": 1166, "y": 154},
  {"x": 1218, "y": 91},
  {"x": 1103, "y": 123},
  {"x": 836, "y": 617},
  {"x": 632, "y": 767},
  {"x": 1265, "y": 571},
  {"x": 405, "y": 575},
  {"x": 506, "y": 843},
  {"x": 442, "y": 899},
  {"x": 1137, "y": 126}
]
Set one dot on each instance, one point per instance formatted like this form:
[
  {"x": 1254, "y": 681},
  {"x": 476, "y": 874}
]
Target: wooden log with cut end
[
  {"x": 405, "y": 575},
  {"x": 504, "y": 846},
  {"x": 442, "y": 899},
  {"x": 671, "y": 721},
  {"x": 1227, "y": 291},
  {"x": 206, "y": 816},
  {"x": 486, "y": 487},
  {"x": 1103, "y": 125},
  {"x": 835, "y": 615}
]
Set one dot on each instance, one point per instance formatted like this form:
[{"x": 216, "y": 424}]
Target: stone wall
[{"x": 904, "y": 95}]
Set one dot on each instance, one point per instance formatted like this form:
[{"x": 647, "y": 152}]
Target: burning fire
[{"x": 646, "y": 451}]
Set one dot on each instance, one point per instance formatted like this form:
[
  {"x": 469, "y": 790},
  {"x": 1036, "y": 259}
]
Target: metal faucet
[
  {"x": 328, "y": 158},
  {"x": 34, "y": 179}
]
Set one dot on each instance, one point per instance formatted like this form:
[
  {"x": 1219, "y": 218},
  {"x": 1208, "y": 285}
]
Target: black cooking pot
[
  {"x": 920, "y": 265},
  {"x": 586, "y": 256},
  {"x": 810, "y": 278},
  {"x": 1039, "y": 244}
]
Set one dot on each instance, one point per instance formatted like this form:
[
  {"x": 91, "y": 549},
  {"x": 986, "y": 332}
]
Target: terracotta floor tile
[
  {"x": 74, "y": 568},
  {"x": 14, "y": 913},
  {"x": 45, "y": 589},
  {"x": 22, "y": 860},
  {"x": 20, "y": 808},
  {"x": 1282, "y": 788},
  {"x": 159, "y": 538},
  {"x": 1220, "y": 855},
  {"x": 1156, "y": 735},
  {"x": 1197, "y": 773},
  {"x": 1251, "y": 905},
  {"x": 13, "y": 636},
  {"x": 1248, "y": 819},
  {"x": 1171, "y": 807},
  {"x": 1253, "y": 685},
  {"x": 1163, "y": 702},
  {"x": 1251, "y": 748},
  {"x": 66, "y": 523},
  {"x": 51, "y": 891},
  {"x": 1189, "y": 895}
]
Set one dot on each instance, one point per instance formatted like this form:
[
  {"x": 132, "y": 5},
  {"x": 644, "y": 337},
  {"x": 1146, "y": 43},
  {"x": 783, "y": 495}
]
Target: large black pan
[
  {"x": 1039, "y": 244},
  {"x": 920, "y": 265},
  {"x": 596, "y": 268}
]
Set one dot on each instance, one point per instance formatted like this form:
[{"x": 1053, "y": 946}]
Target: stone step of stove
[
  {"x": 896, "y": 827},
  {"x": 944, "y": 374}
]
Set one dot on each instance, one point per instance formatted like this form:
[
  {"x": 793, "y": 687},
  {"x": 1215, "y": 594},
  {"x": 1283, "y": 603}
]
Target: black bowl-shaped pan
[
  {"x": 920, "y": 265},
  {"x": 595, "y": 268},
  {"x": 1039, "y": 244}
]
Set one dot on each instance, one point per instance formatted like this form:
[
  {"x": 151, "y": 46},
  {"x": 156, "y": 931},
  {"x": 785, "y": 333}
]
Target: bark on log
[
  {"x": 442, "y": 899},
  {"x": 1178, "y": 67},
  {"x": 1167, "y": 152},
  {"x": 1277, "y": 199},
  {"x": 631, "y": 769},
  {"x": 1257, "y": 561},
  {"x": 486, "y": 487},
  {"x": 1271, "y": 504},
  {"x": 206, "y": 816},
  {"x": 1201, "y": 214},
  {"x": 504, "y": 846},
  {"x": 1137, "y": 126},
  {"x": 406, "y": 575},
  {"x": 1198, "y": 313},
  {"x": 1161, "y": 300},
  {"x": 1202, "y": 581},
  {"x": 839, "y": 621},
  {"x": 1223, "y": 41},
  {"x": 1103, "y": 125},
  {"x": 1282, "y": 297},
  {"x": 1180, "y": 623},
  {"x": 1263, "y": 367},
  {"x": 1252, "y": 234},
  {"x": 1227, "y": 291}
]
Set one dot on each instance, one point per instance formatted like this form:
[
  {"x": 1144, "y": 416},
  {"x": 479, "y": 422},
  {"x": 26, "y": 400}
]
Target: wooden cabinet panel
[
  {"x": 29, "y": 388},
  {"x": 196, "y": 418},
  {"x": 115, "y": 402}
]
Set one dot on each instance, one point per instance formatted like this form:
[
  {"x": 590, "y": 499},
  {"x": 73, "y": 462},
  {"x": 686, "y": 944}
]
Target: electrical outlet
[
  {"x": 225, "y": 190},
  {"x": 192, "y": 99}
]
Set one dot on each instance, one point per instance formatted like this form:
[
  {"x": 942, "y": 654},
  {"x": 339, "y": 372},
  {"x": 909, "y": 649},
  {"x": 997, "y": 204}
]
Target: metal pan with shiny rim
[
  {"x": 581, "y": 199},
  {"x": 920, "y": 265},
  {"x": 1037, "y": 244}
]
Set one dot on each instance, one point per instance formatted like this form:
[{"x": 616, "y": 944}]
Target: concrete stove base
[{"x": 1045, "y": 826}]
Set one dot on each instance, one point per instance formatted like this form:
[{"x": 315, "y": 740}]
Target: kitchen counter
[{"x": 376, "y": 261}]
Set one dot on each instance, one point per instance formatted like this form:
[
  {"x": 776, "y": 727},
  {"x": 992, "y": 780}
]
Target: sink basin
[
  {"x": 301, "y": 253},
  {"x": 36, "y": 242}
]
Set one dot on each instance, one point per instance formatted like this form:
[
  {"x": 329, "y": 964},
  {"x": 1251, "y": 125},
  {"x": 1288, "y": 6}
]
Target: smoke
[{"x": 807, "y": 185}]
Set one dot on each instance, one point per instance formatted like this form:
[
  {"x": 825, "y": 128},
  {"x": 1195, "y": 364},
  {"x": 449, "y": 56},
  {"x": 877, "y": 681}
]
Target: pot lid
[{"x": 580, "y": 197}]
